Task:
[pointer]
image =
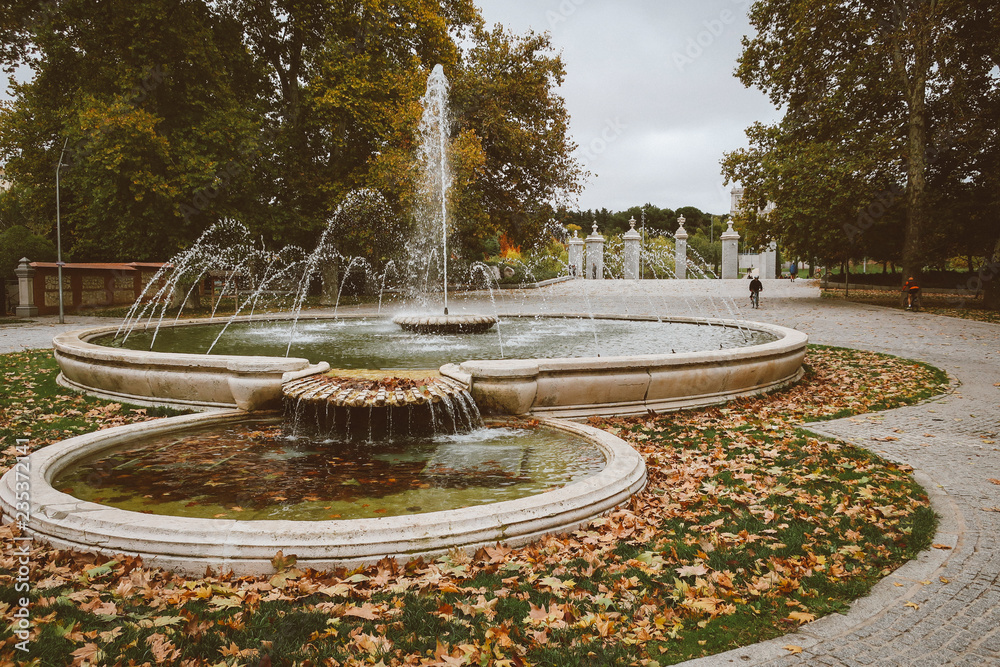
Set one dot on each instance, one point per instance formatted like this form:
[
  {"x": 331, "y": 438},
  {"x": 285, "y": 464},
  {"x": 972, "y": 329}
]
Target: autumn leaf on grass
[
  {"x": 802, "y": 617},
  {"x": 162, "y": 649},
  {"x": 88, "y": 653},
  {"x": 366, "y": 611},
  {"x": 698, "y": 570},
  {"x": 235, "y": 651}
]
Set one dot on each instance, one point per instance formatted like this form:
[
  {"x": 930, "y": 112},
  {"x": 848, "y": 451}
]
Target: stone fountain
[{"x": 545, "y": 385}]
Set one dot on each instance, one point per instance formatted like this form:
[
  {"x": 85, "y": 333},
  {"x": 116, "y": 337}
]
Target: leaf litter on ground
[{"x": 748, "y": 527}]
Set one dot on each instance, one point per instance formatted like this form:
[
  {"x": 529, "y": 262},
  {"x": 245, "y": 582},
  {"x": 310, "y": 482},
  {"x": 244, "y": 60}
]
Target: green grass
[{"x": 746, "y": 521}]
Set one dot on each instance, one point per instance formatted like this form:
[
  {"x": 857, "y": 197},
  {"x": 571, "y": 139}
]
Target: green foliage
[
  {"x": 147, "y": 99},
  {"x": 17, "y": 242},
  {"x": 884, "y": 150},
  {"x": 504, "y": 91},
  {"x": 180, "y": 113}
]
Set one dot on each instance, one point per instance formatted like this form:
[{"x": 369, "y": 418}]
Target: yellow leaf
[
  {"x": 912, "y": 604},
  {"x": 802, "y": 617},
  {"x": 793, "y": 649}
]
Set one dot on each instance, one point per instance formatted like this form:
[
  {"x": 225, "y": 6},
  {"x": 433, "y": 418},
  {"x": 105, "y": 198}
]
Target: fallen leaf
[
  {"x": 791, "y": 648},
  {"x": 85, "y": 653},
  {"x": 365, "y": 611},
  {"x": 802, "y": 617},
  {"x": 941, "y": 546},
  {"x": 912, "y": 604}
]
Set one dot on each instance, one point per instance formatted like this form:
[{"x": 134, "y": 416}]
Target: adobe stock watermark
[
  {"x": 21, "y": 609},
  {"x": 886, "y": 199},
  {"x": 974, "y": 285},
  {"x": 696, "y": 46},
  {"x": 613, "y": 129},
  {"x": 562, "y": 13},
  {"x": 874, "y": 211}
]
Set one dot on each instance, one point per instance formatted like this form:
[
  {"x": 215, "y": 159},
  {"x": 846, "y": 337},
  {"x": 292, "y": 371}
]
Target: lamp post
[
  {"x": 643, "y": 240},
  {"x": 59, "y": 262}
]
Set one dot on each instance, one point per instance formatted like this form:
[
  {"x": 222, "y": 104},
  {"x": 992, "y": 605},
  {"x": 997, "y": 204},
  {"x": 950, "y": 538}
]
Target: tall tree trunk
[
  {"x": 990, "y": 272},
  {"x": 914, "y": 86},
  {"x": 916, "y": 192}
]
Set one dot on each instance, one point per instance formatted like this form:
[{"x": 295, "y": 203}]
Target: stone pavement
[
  {"x": 17, "y": 337},
  {"x": 951, "y": 442}
]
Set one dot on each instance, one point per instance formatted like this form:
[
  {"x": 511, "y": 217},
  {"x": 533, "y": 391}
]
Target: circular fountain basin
[
  {"x": 559, "y": 365},
  {"x": 190, "y": 544}
]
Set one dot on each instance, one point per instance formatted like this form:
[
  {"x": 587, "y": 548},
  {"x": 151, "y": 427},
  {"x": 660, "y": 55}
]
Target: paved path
[{"x": 952, "y": 443}]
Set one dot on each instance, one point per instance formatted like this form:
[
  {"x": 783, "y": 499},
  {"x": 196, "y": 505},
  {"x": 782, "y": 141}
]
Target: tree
[
  {"x": 17, "y": 242},
  {"x": 341, "y": 86},
  {"x": 146, "y": 98},
  {"x": 182, "y": 112},
  {"x": 862, "y": 86},
  {"x": 505, "y": 92}
]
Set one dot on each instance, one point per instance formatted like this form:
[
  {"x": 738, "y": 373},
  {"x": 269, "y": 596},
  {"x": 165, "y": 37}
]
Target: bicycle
[
  {"x": 755, "y": 299},
  {"x": 909, "y": 300}
]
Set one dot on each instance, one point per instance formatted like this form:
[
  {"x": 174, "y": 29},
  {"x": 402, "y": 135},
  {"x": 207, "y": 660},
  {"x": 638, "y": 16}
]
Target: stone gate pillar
[
  {"x": 730, "y": 253},
  {"x": 576, "y": 256},
  {"x": 595, "y": 256},
  {"x": 680, "y": 250},
  {"x": 633, "y": 243},
  {"x": 25, "y": 289},
  {"x": 769, "y": 262}
]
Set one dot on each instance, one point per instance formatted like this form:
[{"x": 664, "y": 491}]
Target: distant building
[
  {"x": 736, "y": 195},
  {"x": 763, "y": 263}
]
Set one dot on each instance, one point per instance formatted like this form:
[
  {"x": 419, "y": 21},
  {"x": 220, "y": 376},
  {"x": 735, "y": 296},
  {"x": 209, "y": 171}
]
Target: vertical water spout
[{"x": 435, "y": 128}]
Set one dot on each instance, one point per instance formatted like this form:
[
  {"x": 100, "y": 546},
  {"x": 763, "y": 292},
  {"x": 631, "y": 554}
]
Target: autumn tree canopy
[
  {"x": 176, "y": 113},
  {"x": 890, "y": 124}
]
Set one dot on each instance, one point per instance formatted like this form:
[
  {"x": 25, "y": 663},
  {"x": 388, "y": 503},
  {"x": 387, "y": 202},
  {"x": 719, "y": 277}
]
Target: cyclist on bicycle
[
  {"x": 755, "y": 287},
  {"x": 912, "y": 291}
]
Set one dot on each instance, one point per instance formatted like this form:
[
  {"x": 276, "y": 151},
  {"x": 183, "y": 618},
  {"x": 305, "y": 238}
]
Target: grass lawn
[
  {"x": 748, "y": 528},
  {"x": 950, "y": 305}
]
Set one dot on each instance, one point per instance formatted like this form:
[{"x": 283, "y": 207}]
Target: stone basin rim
[
  {"x": 188, "y": 544},
  {"x": 82, "y": 337},
  {"x": 201, "y": 381}
]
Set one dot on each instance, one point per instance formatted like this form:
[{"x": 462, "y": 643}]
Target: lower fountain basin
[{"x": 189, "y": 545}]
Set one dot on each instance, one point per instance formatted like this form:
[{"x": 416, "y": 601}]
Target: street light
[{"x": 59, "y": 262}]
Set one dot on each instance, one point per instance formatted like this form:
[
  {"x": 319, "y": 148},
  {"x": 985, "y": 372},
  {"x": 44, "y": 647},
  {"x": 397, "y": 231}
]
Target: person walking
[
  {"x": 911, "y": 291},
  {"x": 793, "y": 271},
  {"x": 755, "y": 287}
]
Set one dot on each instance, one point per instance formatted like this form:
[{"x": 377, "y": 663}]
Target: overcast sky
[{"x": 651, "y": 93}]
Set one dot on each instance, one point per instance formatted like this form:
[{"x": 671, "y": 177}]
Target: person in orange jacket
[{"x": 912, "y": 291}]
